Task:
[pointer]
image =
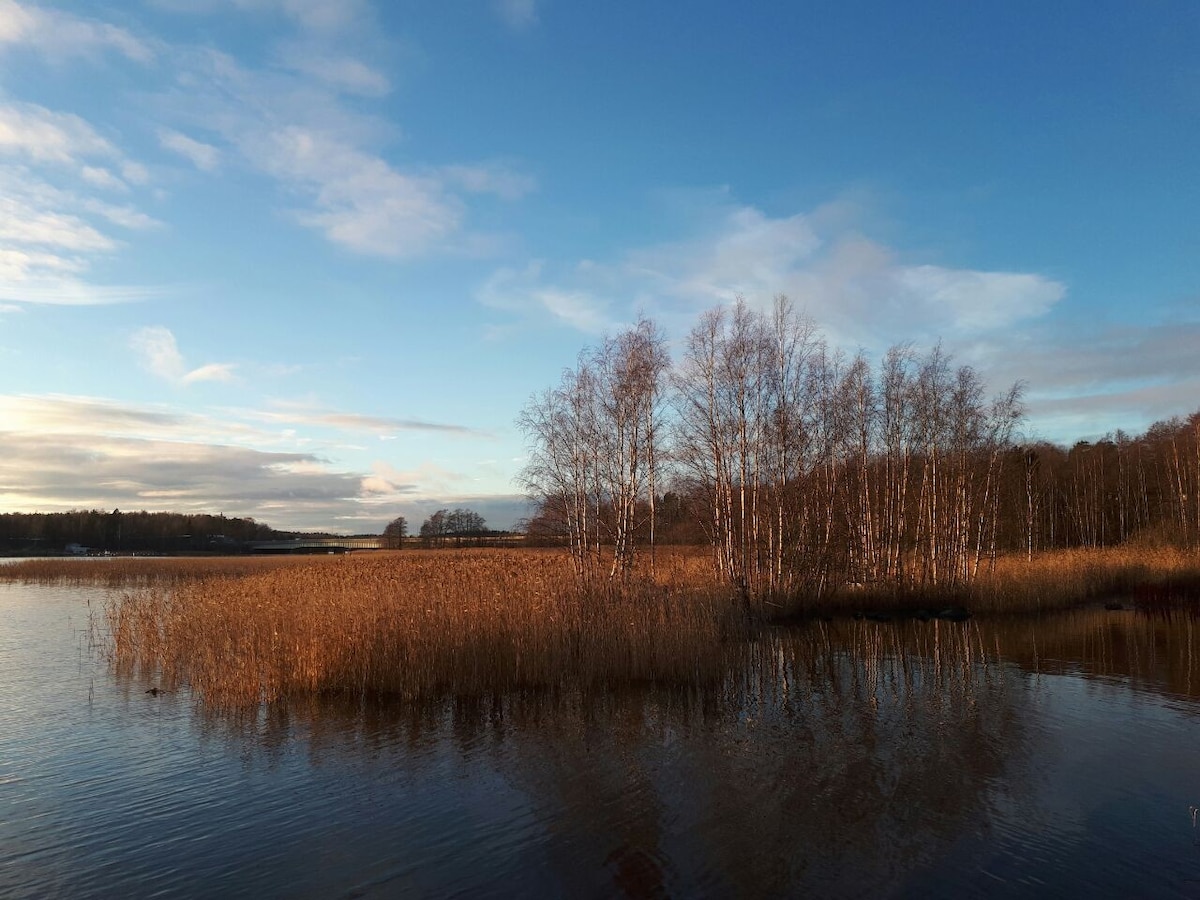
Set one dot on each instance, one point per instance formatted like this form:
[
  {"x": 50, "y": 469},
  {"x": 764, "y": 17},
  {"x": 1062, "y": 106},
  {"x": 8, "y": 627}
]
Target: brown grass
[{"x": 418, "y": 625}]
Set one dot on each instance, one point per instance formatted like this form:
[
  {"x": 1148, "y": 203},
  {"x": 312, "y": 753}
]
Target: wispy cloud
[
  {"x": 517, "y": 14},
  {"x": 295, "y": 124},
  {"x": 359, "y": 200},
  {"x": 860, "y": 291},
  {"x": 302, "y": 118},
  {"x": 54, "y": 218},
  {"x": 333, "y": 69},
  {"x": 1131, "y": 375},
  {"x": 43, "y": 135},
  {"x": 489, "y": 178},
  {"x": 313, "y": 15},
  {"x": 203, "y": 156},
  {"x": 59, "y": 34},
  {"x": 159, "y": 353},
  {"x": 45, "y": 251},
  {"x": 526, "y": 293},
  {"x": 302, "y": 414}
]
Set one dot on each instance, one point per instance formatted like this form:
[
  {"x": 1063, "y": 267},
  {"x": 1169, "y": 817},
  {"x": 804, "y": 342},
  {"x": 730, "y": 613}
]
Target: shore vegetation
[{"x": 428, "y": 625}]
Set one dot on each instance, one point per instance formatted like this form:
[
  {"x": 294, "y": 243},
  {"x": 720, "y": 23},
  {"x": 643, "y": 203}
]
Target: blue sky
[{"x": 306, "y": 260}]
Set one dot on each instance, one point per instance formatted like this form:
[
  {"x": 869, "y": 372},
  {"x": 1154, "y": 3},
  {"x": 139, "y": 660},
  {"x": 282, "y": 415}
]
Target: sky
[{"x": 306, "y": 260}]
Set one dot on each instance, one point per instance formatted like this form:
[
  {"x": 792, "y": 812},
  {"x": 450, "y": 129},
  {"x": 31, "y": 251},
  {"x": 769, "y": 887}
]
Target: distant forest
[{"x": 129, "y": 532}]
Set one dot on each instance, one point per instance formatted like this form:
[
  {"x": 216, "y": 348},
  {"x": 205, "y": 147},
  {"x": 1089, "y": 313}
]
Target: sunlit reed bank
[
  {"x": 1145, "y": 577},
  {"x": 414, "y": 625},
  {"x": 425, "y": 625}
]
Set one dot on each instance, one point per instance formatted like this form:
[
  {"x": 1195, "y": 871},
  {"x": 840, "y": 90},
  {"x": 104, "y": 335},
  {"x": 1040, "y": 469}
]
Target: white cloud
[
  {"x": 59, "y": 34},
  {"x": 42, "y": 135},
  {"x": 337, "y": 71},
  {"x": 203, "y": 156},
  {"x": 493, "y": 178},
  {"x": 383, "y": 426},
  {"x": 50, "y": 235},
  {"x": 47, "y": 229},
  {"x": 517, "y": 14},
  {"x": 30, "y": 284},
  {"x": 123, "y": 216},
  {"x": 315, "y": 15},
  {"x": 295, "y": 127},
  {"x": 360, "y": 201},
  {"x": 210, "y": 372},
  {"x": 100, "y": 177},
  {"x": 859, "y": 291},
  {"x": 160, "y": 356},
  {"x": 746, "y": 253},
  {"x": 21, "y": 223},
  {"x": 135, "y": 173},
  {"x": 81, "y": 470},
  {"x": 524, "y": 291}
]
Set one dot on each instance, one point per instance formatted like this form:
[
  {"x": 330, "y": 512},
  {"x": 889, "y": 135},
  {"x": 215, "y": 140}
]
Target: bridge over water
[{"x": 318, "y": 545}]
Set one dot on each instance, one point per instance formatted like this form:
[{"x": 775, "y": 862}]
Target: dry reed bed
[
  {"x": 1054, "y": 580},
  {"x": 415, "y": 625}
]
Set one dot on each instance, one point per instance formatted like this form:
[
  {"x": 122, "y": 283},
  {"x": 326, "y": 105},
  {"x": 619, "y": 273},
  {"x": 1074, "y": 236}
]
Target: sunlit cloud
[
  {"x": 71, "y": 471},
  {"x": 294, "y": 125},
  {"x": 70, "y": 452}
]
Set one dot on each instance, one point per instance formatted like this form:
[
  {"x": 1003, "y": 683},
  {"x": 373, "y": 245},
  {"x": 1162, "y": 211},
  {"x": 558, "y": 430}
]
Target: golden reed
[
  {"x": 427, "y": 624},
  {"x": 418, "y": 625}
]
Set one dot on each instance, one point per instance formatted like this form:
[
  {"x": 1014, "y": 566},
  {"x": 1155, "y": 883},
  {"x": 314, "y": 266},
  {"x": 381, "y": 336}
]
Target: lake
[{"x": 1013, "y": 758}]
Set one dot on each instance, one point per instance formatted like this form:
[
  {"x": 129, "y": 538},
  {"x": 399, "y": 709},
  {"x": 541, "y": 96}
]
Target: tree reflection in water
[
  {"x": 836, "y": 758},
  {"x": 841, "y": 758}
]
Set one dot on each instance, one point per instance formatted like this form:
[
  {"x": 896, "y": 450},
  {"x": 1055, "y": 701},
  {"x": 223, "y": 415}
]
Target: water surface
[{"x": 1023, "y": 758}]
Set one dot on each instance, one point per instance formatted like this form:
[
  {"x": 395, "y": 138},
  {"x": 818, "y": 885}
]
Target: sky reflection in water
[{"x": 1007, "y": 759}]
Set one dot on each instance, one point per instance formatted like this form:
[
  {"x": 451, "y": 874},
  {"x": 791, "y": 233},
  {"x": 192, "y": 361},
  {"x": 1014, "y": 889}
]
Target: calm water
[{"x": 1028, "y": 759}]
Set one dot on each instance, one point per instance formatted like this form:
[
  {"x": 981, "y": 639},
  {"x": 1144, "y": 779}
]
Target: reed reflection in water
[{"x": 903, "y": 759}]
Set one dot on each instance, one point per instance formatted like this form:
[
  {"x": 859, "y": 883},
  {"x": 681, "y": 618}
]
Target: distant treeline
[
  {"x": 129, "y": 532},
  {"x": 805, "y": 469}
]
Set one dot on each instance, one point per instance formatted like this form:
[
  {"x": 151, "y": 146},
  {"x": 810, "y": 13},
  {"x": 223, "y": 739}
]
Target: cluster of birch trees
[
  {"x": 596, "y": 445},
  {"x": 807, "y": 468}
]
